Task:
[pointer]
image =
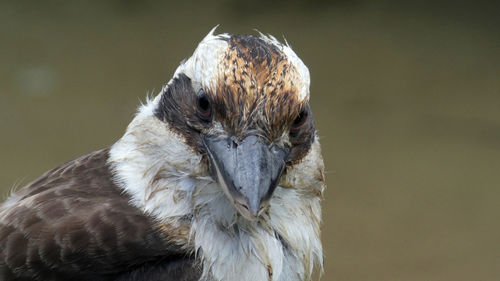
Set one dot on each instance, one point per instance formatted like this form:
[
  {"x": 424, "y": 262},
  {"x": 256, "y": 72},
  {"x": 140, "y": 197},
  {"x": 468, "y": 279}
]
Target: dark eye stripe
[
  {"x": 302, "y": 132},
  {"x": 179, "y": 108},
  {"x": 300, "y": 120}
]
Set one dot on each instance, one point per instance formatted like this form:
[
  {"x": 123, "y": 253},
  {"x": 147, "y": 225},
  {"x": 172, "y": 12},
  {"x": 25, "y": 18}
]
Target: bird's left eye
[{"x": 204, "y": 106}]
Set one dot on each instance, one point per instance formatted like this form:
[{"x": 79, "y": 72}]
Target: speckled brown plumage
[
  {"x": 256, "y": 89},
  {"x": 73, "y": 223}
]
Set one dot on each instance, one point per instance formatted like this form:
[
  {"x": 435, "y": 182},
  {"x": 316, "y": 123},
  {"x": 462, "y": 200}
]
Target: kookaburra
[{"x": 217, "y": 178}]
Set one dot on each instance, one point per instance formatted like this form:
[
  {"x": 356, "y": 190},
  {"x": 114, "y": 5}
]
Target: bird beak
[{"x": 248, "y": 170}]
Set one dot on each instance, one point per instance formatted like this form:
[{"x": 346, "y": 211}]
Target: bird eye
[
  {"x": 204, "y": 108},
  {"x": 299, "y": 121}
]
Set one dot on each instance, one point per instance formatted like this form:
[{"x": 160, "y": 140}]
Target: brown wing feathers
[{"x": 74, "y": 223}]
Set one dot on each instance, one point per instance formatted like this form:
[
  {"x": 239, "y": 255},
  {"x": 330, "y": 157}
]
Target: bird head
[
  {"x": 241, "y": 101},
  {"x": 237, "y": 111}
]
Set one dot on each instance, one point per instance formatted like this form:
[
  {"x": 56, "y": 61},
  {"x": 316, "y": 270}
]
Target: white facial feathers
[{"x": 202, "y": 67}]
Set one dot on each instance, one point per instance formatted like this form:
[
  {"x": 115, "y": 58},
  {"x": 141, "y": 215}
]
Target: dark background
[{"x": 406, "y": 98}]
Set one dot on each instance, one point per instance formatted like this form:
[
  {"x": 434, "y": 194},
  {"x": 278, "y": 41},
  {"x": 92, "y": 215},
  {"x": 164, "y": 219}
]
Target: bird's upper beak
[{"x": 248, "y": 170}]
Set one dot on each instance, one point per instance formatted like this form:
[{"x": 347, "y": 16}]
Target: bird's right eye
[
  {"x": 299, "y": 121},
  {"x": 204, "y": 106}
]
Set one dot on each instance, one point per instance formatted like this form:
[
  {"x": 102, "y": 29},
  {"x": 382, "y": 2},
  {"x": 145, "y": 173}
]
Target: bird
[{"x": 218, "y": 177}]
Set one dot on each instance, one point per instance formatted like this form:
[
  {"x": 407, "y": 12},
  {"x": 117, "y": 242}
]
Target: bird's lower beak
[{"x": 248, "y": 170}]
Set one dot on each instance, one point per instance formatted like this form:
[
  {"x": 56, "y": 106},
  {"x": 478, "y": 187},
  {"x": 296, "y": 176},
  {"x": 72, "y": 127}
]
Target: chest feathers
[{"x": 170, "y": 182}]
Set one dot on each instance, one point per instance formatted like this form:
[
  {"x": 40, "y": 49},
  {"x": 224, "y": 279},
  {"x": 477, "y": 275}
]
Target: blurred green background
[{"x": 406, "y": 98}]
